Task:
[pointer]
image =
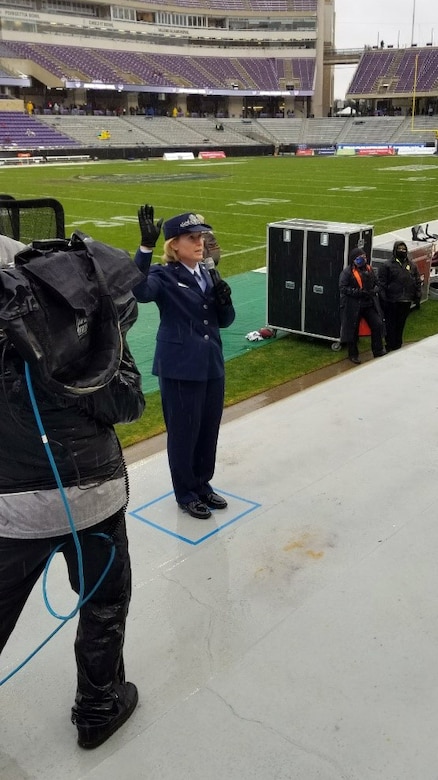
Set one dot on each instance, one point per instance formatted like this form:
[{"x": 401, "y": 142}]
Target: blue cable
[{"x": 81, "y": 598}]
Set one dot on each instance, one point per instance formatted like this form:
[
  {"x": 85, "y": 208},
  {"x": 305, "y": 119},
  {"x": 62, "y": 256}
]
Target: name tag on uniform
[{"x": 180, "y": 284}]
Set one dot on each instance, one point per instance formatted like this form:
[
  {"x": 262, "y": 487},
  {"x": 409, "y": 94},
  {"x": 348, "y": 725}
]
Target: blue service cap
[{"x": 182, "y": 224}]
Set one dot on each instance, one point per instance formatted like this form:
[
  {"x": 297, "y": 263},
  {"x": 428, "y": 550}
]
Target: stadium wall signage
[
  {"x": 383, "y": 150},
  {"x": 310, "y": 151},
  {"x": 210, "y": 155}
]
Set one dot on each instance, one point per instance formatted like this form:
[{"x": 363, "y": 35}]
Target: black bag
[{"x": 58, "y": 307}]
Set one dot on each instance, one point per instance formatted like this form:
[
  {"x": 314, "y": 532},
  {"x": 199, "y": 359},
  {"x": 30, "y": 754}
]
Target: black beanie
[{"x": 355, "y": 253}]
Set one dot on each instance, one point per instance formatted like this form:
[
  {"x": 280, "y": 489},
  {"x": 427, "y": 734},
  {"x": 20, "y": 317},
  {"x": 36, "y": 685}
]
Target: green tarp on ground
[{"x": 249, "y": 298}]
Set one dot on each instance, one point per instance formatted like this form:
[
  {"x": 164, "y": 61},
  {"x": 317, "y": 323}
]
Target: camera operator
[{"x": 34, "y": 521}]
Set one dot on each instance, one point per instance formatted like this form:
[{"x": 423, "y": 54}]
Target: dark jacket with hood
[
  {"x": 80, "y": 430},
  {"x": 399, "y": 279},
  {"x": 354, "y": 299}
]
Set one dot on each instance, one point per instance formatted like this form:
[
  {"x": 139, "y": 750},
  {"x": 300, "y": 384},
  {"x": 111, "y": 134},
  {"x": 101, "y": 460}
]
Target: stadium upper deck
[
  {"x": 156, "y": 72},
  {"x": 265, "y": 6},
  {"x": 392, "y": 76},
  {"x": 174, "y": 48}
]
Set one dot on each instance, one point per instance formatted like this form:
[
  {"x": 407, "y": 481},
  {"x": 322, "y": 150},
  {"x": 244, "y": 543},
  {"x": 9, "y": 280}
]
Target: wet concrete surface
[
  {"x": 157, "y": 443},
  {"x": 276, "y": 638}
]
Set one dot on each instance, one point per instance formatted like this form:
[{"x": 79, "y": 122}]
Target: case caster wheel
[{"x": 336, "y": 346}]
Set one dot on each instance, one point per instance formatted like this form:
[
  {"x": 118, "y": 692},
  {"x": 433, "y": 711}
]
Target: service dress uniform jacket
[
  {"x": 189, "y": 363},
  {"x": 188, "y": 344}
]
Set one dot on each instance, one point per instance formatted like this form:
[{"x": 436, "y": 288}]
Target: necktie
[{"x": 200, "y": 279}]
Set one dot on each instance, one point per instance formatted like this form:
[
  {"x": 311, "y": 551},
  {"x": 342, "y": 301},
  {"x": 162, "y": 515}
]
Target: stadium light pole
[{"x": 413, "y": 22}]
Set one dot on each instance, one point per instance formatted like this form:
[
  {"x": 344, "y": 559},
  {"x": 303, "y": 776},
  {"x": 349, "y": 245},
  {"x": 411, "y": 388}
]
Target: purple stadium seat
[
  {"x": 26, "y": 131},
  {"x": 396, "y": 67},
  {"x": 116, "y": 66}
]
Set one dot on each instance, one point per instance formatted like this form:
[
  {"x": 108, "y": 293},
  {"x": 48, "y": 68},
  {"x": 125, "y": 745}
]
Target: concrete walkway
[{"x": 294, "y": 636}]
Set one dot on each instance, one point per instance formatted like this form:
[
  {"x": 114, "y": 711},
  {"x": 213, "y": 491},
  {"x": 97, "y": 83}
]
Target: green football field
[{"x": 238, "y": 196}]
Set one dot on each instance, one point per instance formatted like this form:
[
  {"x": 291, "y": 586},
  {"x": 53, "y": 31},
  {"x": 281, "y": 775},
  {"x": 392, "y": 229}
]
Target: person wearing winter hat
[
  {"x": 399, "y": 287},
  {"x": 359, "y": 302},
  {"x": 188, "y": 359},
  {"x": 211, "y": 246}
]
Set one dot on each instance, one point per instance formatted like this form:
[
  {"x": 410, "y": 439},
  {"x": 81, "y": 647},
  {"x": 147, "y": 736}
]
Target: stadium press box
[{"x": 303, "y": 265}]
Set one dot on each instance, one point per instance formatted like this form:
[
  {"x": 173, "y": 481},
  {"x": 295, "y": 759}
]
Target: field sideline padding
[{"x": 249, "y": 298}]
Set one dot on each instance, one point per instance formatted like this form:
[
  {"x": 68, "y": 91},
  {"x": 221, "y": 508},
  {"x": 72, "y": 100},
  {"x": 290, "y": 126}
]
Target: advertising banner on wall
[
  {"x": 210, "y": 155},
  {"x": 365, "y": 150}
]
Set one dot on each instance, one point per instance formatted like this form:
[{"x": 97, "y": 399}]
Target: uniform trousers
[
  {"x": 192, "y": 413},
  {"x": 101, "y": 627}
]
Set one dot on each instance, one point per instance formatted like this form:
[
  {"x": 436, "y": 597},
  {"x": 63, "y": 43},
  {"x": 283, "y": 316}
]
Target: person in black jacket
[
  {"x": 359, "y": 301},
  {"x": 34, "y": 522},
  {"x": 399, "y": 288},
  {"x": 188, "y": 358}
]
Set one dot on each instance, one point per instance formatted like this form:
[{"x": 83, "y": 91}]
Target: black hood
[{"x": 396, "y": 246}]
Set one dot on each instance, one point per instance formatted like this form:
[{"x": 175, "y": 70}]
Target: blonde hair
[{"x": 169, "y": 251}]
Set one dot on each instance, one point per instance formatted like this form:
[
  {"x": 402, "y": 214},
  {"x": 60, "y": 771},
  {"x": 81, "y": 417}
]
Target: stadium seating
[
  {"x": 249, "y": 5},
  {"x": 206, "y": 129},
  {"x": 71, "y": 130},
  {"x": 129, "y": 67},
  {"x": 23, "y": 131},
  {"x": 87, "y": 130},
  {"x": 395, "y": 71},
  {"x": 286, "y": 131},
  {"x": 371, "y": 130},
  {"x": 142, "y": 131},
  {"x": 422, "y": 129}
]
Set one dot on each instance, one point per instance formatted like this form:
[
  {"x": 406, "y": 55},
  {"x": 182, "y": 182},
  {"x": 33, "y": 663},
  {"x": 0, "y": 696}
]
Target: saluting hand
[{"x": 149, "y": 230}]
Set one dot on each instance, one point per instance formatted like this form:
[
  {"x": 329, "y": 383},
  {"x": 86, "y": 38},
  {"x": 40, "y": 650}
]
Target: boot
[{"x": 96, "y": 721}]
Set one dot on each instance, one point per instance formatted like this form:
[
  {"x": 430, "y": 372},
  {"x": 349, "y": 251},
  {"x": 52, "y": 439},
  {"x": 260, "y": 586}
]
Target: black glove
[
  {"x": 149, "y": 231},
  {"x": 417, "y": 305},
  {"x": 222, "y": 292}
]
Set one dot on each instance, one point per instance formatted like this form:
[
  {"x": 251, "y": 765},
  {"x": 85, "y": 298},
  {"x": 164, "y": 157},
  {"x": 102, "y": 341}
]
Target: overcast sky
[{"x": 367, "y": 22}]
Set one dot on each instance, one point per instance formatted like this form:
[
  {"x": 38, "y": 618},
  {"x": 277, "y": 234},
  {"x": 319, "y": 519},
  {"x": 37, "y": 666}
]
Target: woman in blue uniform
[{"x": 188, "y": 359}]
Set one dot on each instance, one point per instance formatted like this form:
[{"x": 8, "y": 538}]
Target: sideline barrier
[
  {"x": 210, "y": 155},
  {"x": 40, "y": 159},
  {"x": 304, "y": 150},
  {"x": 368, "y": 150},
  {"x": 178, "y": 156}
]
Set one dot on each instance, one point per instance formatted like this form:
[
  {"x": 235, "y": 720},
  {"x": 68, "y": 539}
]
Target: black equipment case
[{"x": 304, "y": 261}]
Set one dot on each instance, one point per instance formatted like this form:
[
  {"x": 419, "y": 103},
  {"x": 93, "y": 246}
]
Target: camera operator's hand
[
  {"x": 222, "y": 291},
  {"x": 149, "y": 230}
]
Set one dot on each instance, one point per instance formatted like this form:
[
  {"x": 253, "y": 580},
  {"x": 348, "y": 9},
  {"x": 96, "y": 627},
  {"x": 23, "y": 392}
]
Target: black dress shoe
[
  {"x": 97, "y": 721},
  {"x": 380, "y": 354},
  {"x": 357, "y": 361},
  {"x": 197, "y": 509},
  {"x": 214, "y": 501}
]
